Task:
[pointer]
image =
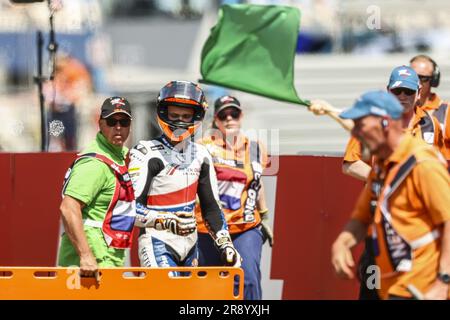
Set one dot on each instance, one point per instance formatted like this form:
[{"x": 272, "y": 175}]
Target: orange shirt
[
  {"x": 353, "y": 151},
  {"x": 419, "y": 205},
  {"x": 235, "y": 175},
  {"x": 432, "y": 103}
]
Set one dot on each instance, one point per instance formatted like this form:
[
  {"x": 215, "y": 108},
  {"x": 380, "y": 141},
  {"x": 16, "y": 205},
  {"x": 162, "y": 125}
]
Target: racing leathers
[{"x": 167, "y": 180}]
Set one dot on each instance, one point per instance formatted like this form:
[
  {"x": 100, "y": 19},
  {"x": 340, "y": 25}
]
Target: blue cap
[
  {"x": 404, "y": 77},
  {"x": 377, "y": 103}
]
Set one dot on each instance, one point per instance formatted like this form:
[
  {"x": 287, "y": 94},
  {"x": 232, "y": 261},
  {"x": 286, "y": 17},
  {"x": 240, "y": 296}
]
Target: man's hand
[
  {"x": 342, "y": 260},
  {"x": 230, "y": 256},
  {"x": 228, "y": 253},
  {"x": 180, "y": 223},
  {"x": 438, "y": 291},
  {"x": 265, "y": 227},
  {"x": 321, "y": 107},
  {"x": 142, "y": 216},
  {"x": 88, "y": 266}
]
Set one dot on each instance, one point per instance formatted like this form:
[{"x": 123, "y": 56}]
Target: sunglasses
[
  {"x": 425, "y": 78},
  {"x": 223, "y": 115},
  {"x": 398, "y": 91},
  {"x": 111, "y": 122}
]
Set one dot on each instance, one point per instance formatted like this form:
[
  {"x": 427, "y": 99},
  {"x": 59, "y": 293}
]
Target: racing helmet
[{"x": 184, "y": 94}]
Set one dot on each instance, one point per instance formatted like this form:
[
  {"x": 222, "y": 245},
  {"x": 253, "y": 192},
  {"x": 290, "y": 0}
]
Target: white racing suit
[{"x": 168, "y": 180}]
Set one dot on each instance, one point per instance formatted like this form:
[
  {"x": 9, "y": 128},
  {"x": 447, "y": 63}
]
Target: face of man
[
  {"x": 407, "y": 97},
  {"x": 116, "y": 128},
  {"x": 370, "y": 132},
  {"x": 180, "y": 113},
  {"x": 424, "y": 69},
  {"x": 229, "y": 120}
]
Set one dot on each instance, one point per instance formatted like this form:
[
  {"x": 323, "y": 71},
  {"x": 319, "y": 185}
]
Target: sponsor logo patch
[
  {"x": 158, "y": 147},
  {"x": 404, "y": 73}
]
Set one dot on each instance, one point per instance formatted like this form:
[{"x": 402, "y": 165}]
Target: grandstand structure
[{"x": 147, "y": 52}]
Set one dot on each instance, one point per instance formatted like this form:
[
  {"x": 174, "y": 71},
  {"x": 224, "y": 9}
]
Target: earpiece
[
  {"x": 436, "y": 76},
  {"x": 384, "y": 123}
]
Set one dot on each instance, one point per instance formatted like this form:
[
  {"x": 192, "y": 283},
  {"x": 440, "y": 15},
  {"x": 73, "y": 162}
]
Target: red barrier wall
[
  {"x": 313, "y": 201},
  {"x": 30, "y": 185}
]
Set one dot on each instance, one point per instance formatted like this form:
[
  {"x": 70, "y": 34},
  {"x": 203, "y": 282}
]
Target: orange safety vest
[
  {"x": 239, "y": 182},
  {"x": 397, "y": 255},
  {"x": 442, "y": 115}
]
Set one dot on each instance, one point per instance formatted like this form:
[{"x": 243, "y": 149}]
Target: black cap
[
  {"x": 115, "y": 105},
  {"x": 225, "y": 102}
]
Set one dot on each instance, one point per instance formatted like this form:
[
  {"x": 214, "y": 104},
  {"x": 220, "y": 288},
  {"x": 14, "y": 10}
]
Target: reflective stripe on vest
[
  {"x": 427, "y": 128},
  {"x": 255, "y": 184},
  {"x": 93, "y": 223},
  {"x": 441, "y": 114}
]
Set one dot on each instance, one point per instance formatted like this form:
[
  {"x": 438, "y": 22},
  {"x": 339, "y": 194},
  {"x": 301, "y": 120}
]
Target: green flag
[{"x": 252, "y": 49}]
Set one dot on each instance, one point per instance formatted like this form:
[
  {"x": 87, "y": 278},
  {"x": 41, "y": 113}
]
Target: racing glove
[
  {"x": 265, "y": 227},
  {"x": 180, "y": 223},
  {"x": 228, "y": 253}
]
